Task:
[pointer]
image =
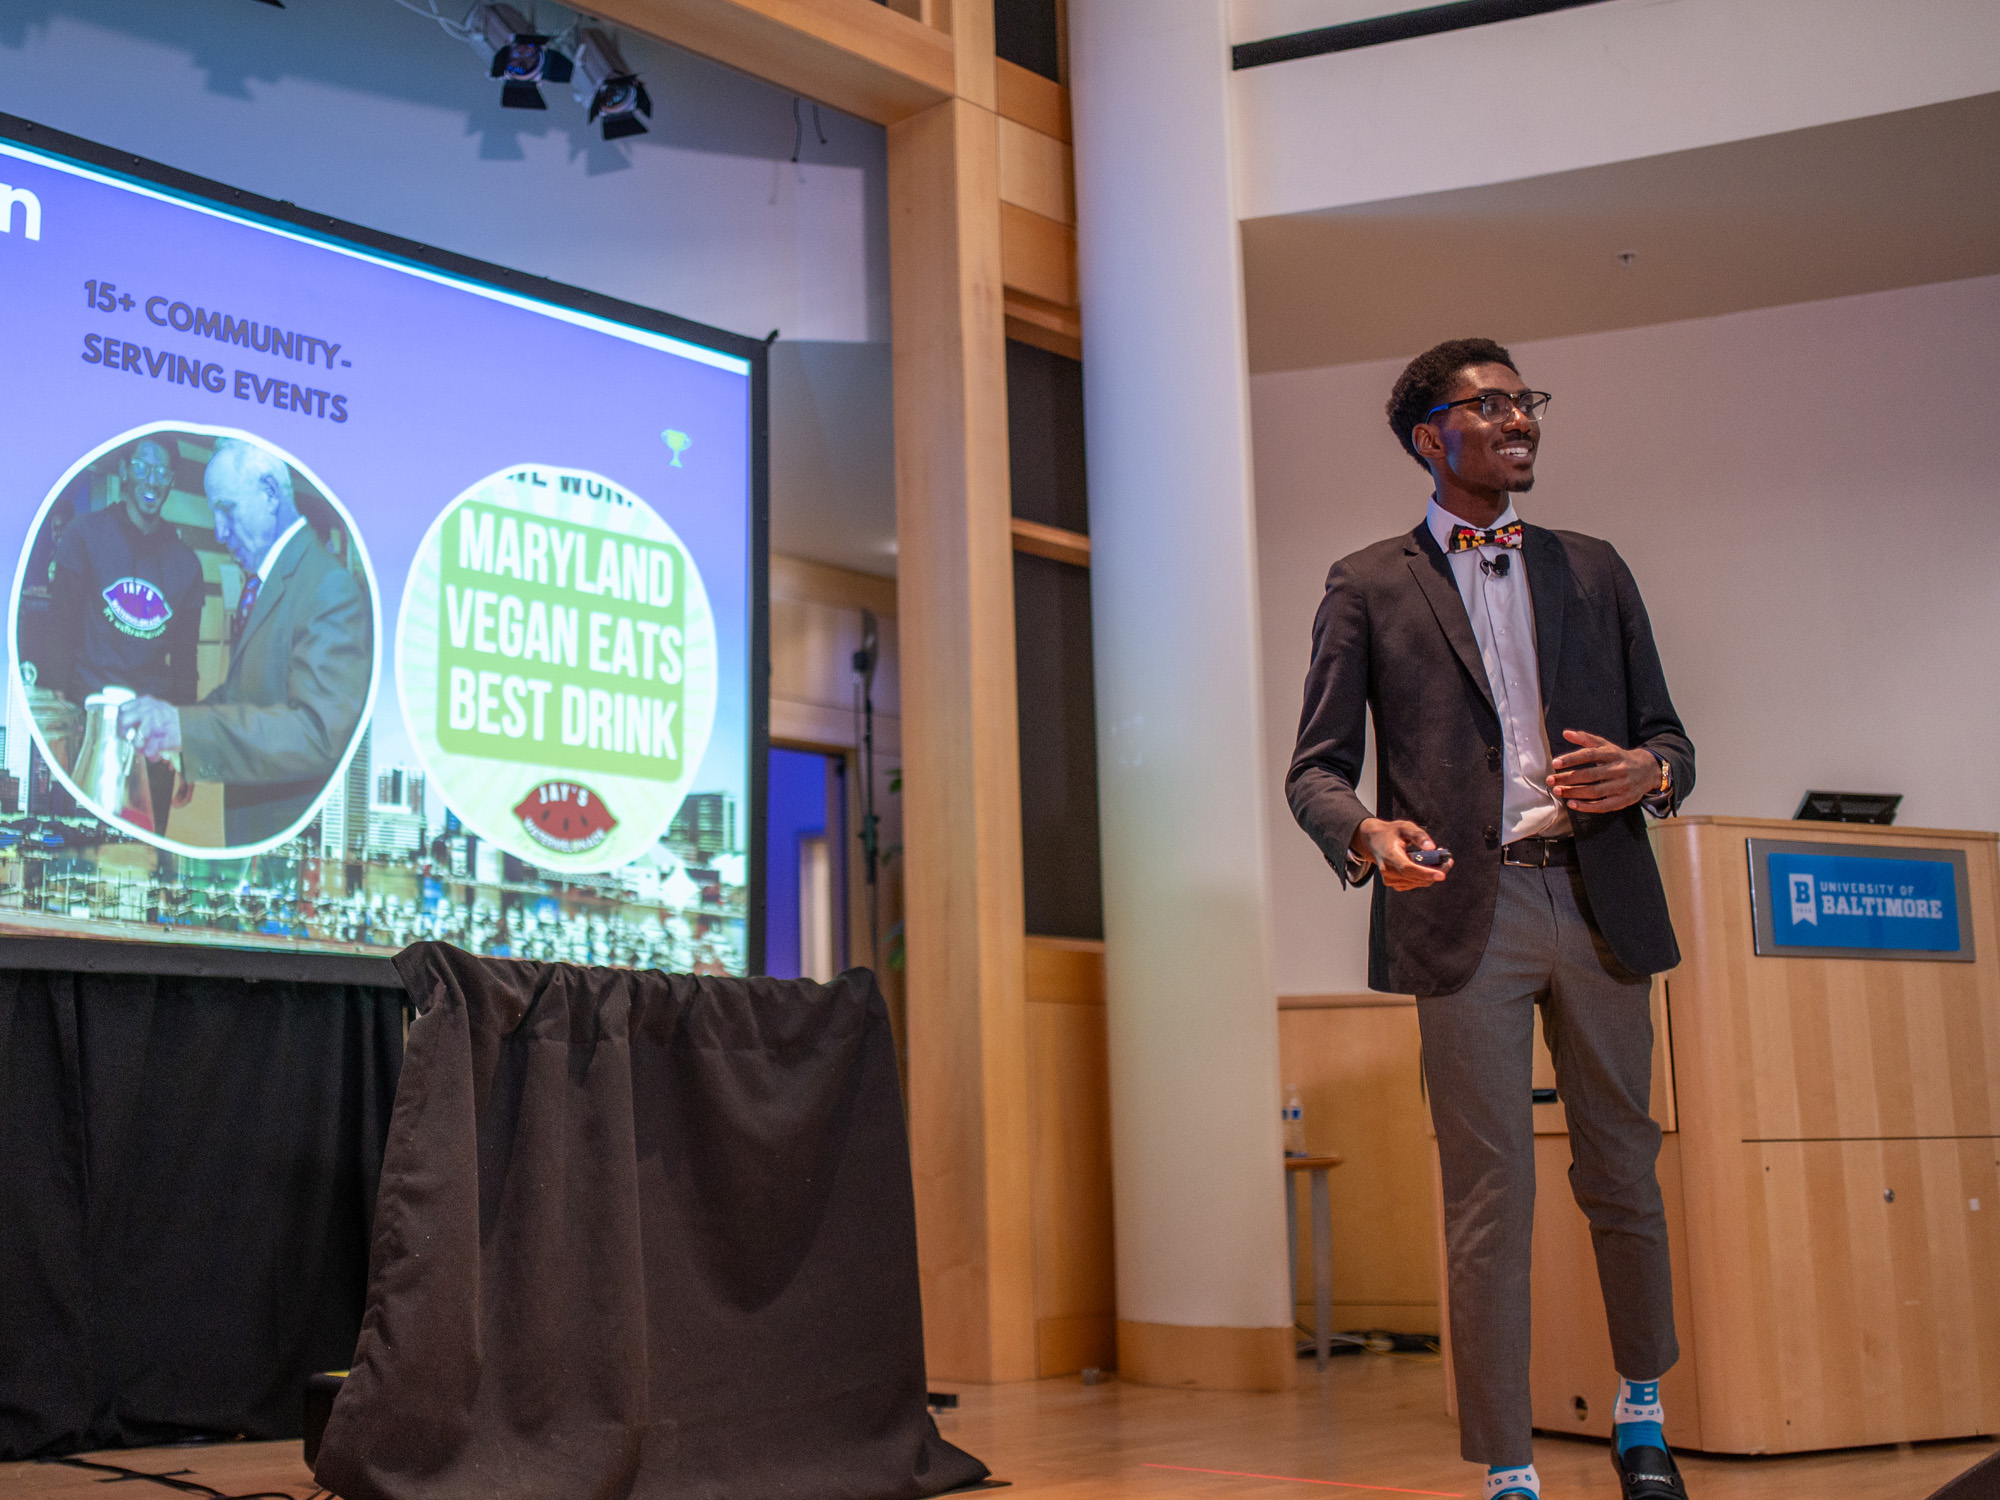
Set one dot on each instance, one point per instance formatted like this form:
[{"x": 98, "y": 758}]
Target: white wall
[
  {"x": 361, "y": 109},
  {"x": 1807, "y": 496},
  {"x": 1581, "y": 87}
]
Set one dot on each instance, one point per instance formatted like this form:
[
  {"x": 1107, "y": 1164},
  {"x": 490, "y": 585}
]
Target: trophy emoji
[{"x": 679, "y": 441}]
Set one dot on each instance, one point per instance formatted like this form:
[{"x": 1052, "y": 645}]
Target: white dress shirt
[{"x": 1502, "y": 612}]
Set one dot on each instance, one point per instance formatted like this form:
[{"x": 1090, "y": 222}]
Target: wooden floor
[{"x": 1371, "y": 1424}]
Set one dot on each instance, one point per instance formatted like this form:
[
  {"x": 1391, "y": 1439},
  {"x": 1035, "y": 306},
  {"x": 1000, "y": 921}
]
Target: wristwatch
[{"x": 1666, "y": 787}]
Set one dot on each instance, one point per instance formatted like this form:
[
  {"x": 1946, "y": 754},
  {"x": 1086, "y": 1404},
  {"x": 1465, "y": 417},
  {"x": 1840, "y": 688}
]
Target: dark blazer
[
  {"x": 1392, "y": 637},
  {"x": 275, "y": 731}
]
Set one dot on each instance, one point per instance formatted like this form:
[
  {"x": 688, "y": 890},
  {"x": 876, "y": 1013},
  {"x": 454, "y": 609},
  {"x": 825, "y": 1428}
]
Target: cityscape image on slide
[{"x": 383, "y": 865}]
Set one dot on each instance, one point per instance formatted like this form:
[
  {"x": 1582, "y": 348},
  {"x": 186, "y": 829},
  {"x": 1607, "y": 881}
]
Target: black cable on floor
[{"x": 186, "y": 1486}]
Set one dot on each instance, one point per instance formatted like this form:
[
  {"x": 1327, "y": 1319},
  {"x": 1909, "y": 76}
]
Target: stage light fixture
[
  {"x": 615, "y": 93},
  {"x": 521, "y": 57}
]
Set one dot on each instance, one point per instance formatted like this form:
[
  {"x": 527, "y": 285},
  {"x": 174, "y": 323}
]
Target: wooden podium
[{"x": 1831, "y": 1171}]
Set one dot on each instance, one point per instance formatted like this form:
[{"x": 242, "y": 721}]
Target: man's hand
[
  {"x": 155, "y": 727},
  {"x": 1601, "y": 778},
  {"x": 183, "y": 789},
  {"x": 1386, "y": 845}
]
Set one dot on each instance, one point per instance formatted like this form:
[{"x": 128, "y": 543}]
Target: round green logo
[{"x": 556, "y": 662}]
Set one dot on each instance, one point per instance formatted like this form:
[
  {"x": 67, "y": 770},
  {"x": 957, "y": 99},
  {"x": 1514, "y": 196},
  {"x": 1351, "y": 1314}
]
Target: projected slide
[{"x": 360, "y": 594}]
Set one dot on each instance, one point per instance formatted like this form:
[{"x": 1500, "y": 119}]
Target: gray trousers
[{"x": 1478, "y": 1049}]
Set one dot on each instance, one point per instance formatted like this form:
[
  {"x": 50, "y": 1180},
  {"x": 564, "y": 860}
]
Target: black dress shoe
[{"x": 1648, "y": 1473}]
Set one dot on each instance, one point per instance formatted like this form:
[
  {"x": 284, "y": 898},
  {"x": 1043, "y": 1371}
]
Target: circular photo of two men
[{"x": 194, "y": 631}]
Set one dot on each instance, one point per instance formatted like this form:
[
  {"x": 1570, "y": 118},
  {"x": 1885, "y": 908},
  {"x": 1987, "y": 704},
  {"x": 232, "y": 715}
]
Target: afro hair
[{"x": 1427, "y": 379}]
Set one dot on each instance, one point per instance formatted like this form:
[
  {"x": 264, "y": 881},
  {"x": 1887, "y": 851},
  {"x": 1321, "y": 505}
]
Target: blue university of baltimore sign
[{"x": 1858, "y": 901}]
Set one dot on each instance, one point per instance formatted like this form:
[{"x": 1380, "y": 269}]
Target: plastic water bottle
[{"x": 1295, "y": 1124}]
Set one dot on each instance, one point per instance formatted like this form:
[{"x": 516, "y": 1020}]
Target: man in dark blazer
[
  {"x": 1483, "y": 647},
  {"x": 300, "y": 660}
]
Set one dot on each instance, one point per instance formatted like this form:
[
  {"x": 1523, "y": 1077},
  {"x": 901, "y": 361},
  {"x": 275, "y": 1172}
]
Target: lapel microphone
[{"x": 1496, "y": 567}]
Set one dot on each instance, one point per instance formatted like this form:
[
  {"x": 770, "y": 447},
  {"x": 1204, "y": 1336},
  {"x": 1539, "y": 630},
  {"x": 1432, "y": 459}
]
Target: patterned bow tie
[
  {"x": 248, "y": 602},
  {"x": 1465, "y": 538}
]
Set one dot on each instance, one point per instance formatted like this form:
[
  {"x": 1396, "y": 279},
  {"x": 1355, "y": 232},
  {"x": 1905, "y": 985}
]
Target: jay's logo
[
  {"x": 565, "y": 817},
  {"x": 137, "y": 608}
]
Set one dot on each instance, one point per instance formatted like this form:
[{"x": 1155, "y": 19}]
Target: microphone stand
[{"x": 864, "y": 712}]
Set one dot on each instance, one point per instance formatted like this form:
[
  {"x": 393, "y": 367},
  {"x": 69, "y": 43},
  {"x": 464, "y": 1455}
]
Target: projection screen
[{"x": 362, "y": 593}]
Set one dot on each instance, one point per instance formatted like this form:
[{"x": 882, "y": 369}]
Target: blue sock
[
  {"x": 1511, "y": 1479},
  {"x": 1636, "y": 1423}
]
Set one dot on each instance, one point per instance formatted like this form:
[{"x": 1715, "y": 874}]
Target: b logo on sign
[{"x": 1805, "y": 907}]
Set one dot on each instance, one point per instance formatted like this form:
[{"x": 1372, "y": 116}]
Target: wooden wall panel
[
  {"x": 1029, "y": 99},
  {"x": 1038, "y": 255},
  {"x": 1046, "y": 325},
  {"x": 1070, "y": 1133},
  {"x": 821, "y": 583},
  {"x": 816, "y": 627},
  {"x": 1065, "y": 971},
  {"x": 1884, "y": 1312},
  {"x": 1037, "y": 178},
  {"x": 1052, "y": 542},
  {"x": 1035, "y": 172},
  {"x": 812, "y": 657},
  {"x": 1356, "y": 1067}
]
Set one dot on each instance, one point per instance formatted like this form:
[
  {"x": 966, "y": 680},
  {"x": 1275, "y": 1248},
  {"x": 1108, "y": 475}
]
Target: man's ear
[{"x": 1428, "y": 441}]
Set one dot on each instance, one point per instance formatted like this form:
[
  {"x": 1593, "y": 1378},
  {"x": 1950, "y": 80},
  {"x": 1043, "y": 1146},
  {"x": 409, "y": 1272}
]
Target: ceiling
[{"x": 1864, "y": 205}]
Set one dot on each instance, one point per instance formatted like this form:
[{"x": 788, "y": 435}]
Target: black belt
[{"x": 1537, "y": 854}]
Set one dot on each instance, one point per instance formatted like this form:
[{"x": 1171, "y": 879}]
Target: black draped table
[{"x": 640, "y": 1235}]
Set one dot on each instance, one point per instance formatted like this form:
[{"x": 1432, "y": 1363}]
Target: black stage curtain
[
  {"x": 187, "y": 1174},
  {"x": 641, "y": 1235}
]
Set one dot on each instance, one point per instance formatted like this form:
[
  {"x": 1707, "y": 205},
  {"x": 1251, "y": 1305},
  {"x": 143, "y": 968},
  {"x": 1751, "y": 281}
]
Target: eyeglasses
[{"x": 1494, "y": 405}]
